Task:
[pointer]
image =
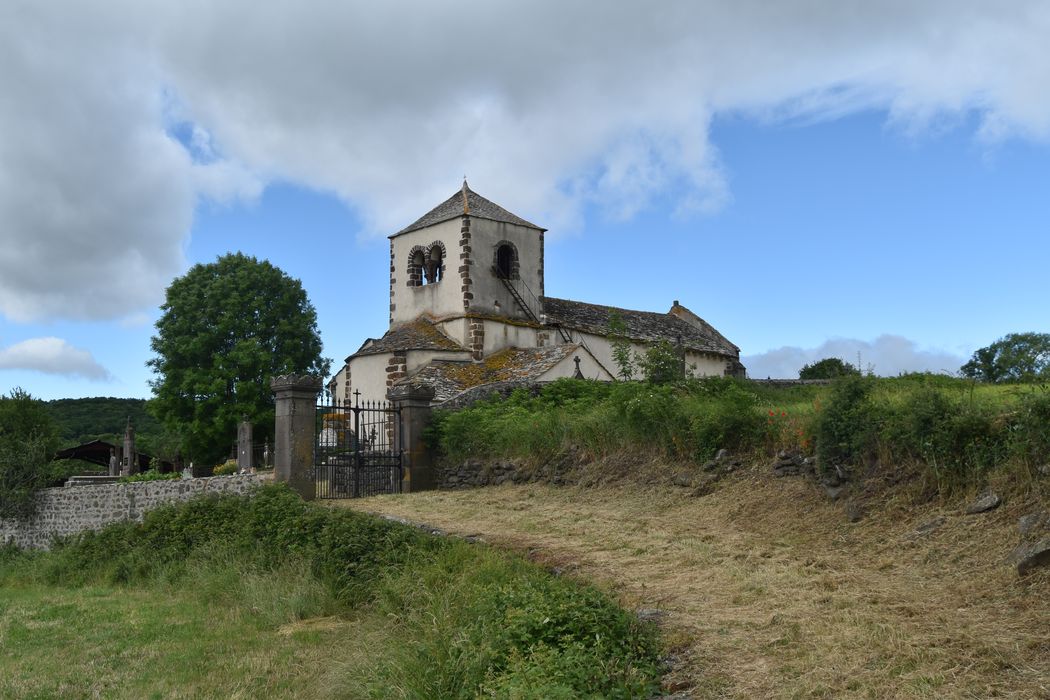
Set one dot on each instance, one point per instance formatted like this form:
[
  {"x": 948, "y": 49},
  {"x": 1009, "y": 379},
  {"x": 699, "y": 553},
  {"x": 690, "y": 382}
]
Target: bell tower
[{"x": 467, "y": 257}]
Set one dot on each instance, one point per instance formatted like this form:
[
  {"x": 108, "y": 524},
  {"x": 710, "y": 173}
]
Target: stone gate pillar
[
  {"x": 414, "y": 402},
  {"x": 294, "y": 425}
]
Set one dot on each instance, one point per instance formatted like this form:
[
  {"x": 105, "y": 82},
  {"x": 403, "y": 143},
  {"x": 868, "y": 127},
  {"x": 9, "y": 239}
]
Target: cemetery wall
[{"x": 69, "y": 510}]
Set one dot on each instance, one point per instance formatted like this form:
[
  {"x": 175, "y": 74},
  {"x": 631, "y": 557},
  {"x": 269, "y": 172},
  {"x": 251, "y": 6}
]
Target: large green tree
[
  {"x": 1017, "y": 357},
  {"x": 828, "y": 368},
  {"x": 27, "y": 443},
  {"x": 227, "y": 328}
]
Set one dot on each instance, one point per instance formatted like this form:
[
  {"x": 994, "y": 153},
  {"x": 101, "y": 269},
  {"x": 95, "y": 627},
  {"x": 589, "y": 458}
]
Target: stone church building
[{"x": 468, "y": 307}]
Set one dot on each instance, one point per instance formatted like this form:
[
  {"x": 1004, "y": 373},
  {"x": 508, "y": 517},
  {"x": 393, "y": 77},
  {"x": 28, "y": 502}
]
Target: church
[{"x": 468, "y": 307}]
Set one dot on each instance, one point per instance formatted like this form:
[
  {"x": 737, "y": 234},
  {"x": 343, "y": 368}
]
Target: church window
[
  {"x": 435, "y": 263},
  {"x": 417, "y": 258},
  {"x": 506, "y": 261}
]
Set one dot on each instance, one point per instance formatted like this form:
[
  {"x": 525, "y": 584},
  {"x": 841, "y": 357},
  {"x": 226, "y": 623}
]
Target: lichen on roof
[
  {"x": 449, "y": 378},
  {"x": 466, "y": 202},
  {"x": 418, "y": 334}
]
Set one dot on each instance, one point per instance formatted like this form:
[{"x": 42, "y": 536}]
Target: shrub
[
  {"x": 957, "y": 441},
  {"x": 847, "y": 428},
  {"x": 23, "y": 472},
  {"x": 150, "y": 475},
  {"x": 662, "y": 363},
  {"x": 461, "y": 620},
  {"x": 27, "y": 443},
  {"x": 725, "y": 415},
  {"x": 226, "y": 468},
  {"x": 1030, "y": 428}
]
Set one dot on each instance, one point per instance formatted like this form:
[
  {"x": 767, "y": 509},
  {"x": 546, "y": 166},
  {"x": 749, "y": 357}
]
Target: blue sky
[{"x": 873, "y": 196}]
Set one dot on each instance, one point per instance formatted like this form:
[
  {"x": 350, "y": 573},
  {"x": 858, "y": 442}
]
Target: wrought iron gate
[{"x": 357, "y": 450}]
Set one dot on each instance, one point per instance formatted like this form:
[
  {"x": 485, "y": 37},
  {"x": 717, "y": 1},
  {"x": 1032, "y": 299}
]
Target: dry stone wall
[{"x": 73, "y": 509}]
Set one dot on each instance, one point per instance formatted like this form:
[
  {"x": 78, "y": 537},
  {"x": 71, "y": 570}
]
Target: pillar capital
[{"x": 291, "y": 384}]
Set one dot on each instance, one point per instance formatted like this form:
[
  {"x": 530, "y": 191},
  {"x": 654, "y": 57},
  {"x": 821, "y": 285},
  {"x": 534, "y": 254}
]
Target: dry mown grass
[{"x": 770, "y": 592}]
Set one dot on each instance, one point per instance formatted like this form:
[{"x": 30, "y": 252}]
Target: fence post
[
  {"x": 295, "y": 416},
  {"x": 414, "y": 402}
]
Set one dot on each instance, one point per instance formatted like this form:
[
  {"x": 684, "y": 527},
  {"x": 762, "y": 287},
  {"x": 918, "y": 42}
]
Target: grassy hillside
[
  {"x": 82, "y": 420},
  {"x": 769, "y": 591},
  {"x": 272, "y": 597},
  {"x": 952, "y": 433}
]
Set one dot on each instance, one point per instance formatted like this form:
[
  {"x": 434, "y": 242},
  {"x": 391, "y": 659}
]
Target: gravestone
[{"x": 244, "y": 448}]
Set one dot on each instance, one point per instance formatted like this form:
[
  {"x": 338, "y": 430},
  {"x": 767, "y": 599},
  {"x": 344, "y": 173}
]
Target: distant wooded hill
[{"x": 82, "y": 420}]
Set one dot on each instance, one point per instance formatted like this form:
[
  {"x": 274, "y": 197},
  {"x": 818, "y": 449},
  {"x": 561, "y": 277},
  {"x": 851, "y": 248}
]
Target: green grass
[
  {"x": 269, "y": 596},
  {"x": 104, "y": 641},
  {"x": 953, "y": 432}
]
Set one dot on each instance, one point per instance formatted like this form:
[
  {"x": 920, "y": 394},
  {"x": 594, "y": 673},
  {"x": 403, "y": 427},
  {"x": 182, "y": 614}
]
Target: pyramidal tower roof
[{"x": 466, "y": 202}]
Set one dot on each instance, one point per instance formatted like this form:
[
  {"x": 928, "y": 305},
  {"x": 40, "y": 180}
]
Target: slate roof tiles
[
  {"x": 466, "y": 201},
  {"x": 643, "y": 326},
  {"x": 448, "y": 378},
  {"x": 418, "y": 334}
]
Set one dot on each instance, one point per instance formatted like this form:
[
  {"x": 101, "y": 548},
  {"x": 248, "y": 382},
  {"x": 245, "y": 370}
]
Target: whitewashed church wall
[
  {"x": 505, "y": 335},
  {"x": 704, "y": 365},
  {"x": 589, "y": 367},
  {"x": 444, "y": 297},
  {"x": 419, "y": 358},
  {"x": 458, "y": 329},
  {"x": 487, "y": 288},
  {"x": 340, "y": 391},
  {"x": 696, "y": 363},
  {"x": 600, "y": 347},
  {"x": 368, "y": 375}
]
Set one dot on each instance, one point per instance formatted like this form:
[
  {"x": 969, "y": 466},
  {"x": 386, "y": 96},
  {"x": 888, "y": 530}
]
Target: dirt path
[{"x": 769, "y": 592}]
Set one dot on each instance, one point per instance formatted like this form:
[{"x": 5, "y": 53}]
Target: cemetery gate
[{"x": 357, "y": 450}]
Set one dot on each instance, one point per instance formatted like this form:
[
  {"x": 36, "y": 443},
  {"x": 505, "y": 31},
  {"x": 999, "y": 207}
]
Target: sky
[{"x": 863, "y": 180}]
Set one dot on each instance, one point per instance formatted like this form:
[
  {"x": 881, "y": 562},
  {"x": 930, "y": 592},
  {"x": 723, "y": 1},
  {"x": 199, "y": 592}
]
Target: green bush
[
  {"x": 463, "y": 620},
  {"x": 27, "y": 443},
  {"x": 662, "y": 363},
  {"x": 847, "y": 428},
  {"x": 957, "y": 440},
  {"x": 687, "y": 420},
  {"x": 828, "y": 368},
  {"x": 952, "y": 430},
  {"x": 1029, "y": 428},
  {"x": 723, "y": 414},
  {"x": 226, "y": 468},
  {"x": 150, "y": 475}
]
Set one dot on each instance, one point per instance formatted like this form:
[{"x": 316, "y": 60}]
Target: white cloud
[
  {"x": 887, "y": 355},
  {"x": 52, "y": 356},
  {"x": 545, "y": 105}
]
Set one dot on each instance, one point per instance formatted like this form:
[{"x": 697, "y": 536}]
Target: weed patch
[
  {"x": 952, "y": 431},
  {"x": 450, "y": 619}
]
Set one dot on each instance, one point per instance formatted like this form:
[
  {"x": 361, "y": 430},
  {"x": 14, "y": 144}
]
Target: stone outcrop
[
  {"x": 1033, "y": 551},
  {"x": 984, "y": 503},
  {"x": 792, "y": 463}
]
